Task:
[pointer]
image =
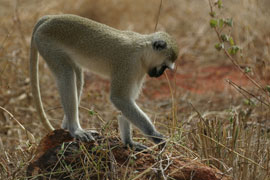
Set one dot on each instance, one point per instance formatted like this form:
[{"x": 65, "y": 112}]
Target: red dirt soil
[
  {"x": 188, "y": 78},
  {"x": 201, "y": 80}
]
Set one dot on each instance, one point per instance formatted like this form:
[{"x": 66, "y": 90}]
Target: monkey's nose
[{"x": 171, "y": 66}]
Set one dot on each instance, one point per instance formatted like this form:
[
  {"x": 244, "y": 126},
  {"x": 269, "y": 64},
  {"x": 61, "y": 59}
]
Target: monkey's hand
[
  {"x": 136, "y": 146},
  {"x": 159, "y": 139}
]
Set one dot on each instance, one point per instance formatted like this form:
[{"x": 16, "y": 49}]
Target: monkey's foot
[
  {"x": 136, "y": 146},
  {"x": 83, "y": 135}
]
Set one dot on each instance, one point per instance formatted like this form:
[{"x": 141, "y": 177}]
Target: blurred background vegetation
[{"x": 219, "y": 125}]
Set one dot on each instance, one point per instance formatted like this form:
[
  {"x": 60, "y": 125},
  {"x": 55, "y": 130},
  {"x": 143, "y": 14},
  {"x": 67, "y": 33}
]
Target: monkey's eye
[{"x": 159, "y": 45}]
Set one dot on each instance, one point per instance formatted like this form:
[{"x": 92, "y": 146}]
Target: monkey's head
[{"x": 163, "y": 53}]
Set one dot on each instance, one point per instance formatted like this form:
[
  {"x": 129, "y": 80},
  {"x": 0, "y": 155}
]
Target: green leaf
[
  {"x": 231, "y": 41},
  {"x": 221, "y": 23},
  {"x": 219, "y": 3},
  {"x": 212, "y": 14},
  {"x": 233, "y": 50},
  {"x": 91, "y": 112},
  {"x": 229, "y": 22},
  {"x": 213, "y": 23},
  {"x": 248, "y": 102},
  {"x": 267, "y": 88},
  {"x": 225, "y": 37},
  {"x": 247, "y": 69},
  {"x": 219, "y": 46},
  {"x": 231, "y": 119}
]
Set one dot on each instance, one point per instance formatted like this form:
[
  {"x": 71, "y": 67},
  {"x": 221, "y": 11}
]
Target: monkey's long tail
[{"x": 35, "y": 86}]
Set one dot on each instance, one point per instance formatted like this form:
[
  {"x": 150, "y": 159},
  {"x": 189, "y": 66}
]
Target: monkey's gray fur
[{"x": 70, "y": 43}]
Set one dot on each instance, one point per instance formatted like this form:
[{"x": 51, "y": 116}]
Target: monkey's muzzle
[{"x": 156, "y": 72}]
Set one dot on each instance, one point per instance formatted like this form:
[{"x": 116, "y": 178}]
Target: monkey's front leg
[
  {"x": 126, "y": 134},
  {"x": 138, "y": 118}
]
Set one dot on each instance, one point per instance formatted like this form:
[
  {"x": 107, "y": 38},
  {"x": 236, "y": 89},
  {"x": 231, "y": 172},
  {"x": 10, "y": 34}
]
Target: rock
[{"x": 59, "y": 156}]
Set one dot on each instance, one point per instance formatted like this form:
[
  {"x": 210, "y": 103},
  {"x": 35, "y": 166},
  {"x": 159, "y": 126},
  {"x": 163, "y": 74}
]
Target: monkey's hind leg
[
  {"x": 79, "y": 85},
  {"x": 66, "y": 80},
  {"x": 126, "y": 134}
]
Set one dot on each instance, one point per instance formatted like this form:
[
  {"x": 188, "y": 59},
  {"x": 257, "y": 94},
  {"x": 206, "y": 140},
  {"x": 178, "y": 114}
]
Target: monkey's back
[
  {"x": 85, "y": 34},
  {"x": 81, "y": 37}
]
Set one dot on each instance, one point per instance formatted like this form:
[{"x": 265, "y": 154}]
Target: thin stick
[
  {"x": 240, "y": 89},
  {"x": 159, "y": 10},
  {"x": 28, "y": 133}
]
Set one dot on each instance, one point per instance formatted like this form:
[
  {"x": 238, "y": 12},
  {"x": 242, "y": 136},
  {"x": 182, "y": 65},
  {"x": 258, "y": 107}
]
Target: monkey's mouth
[{"x": 156, "y": 72}]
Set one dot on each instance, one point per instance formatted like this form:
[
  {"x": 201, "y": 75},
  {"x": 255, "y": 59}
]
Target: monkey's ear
[{"x": 159, "y": 45}]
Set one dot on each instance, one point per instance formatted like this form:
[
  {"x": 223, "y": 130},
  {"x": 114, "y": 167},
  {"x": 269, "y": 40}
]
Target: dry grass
[{"x": 220, "y": 129}]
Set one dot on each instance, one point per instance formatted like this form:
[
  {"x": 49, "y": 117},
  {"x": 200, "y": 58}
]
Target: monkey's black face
[{"x": 157, "y": 71}]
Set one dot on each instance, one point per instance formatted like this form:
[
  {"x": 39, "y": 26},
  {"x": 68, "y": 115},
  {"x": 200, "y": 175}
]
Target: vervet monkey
[{"x": 69, "y": 44}]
